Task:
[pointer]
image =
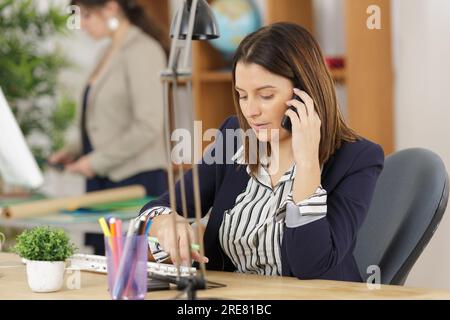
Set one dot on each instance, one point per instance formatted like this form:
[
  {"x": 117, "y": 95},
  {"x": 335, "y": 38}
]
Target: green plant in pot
[{"x": 45, "y": 251}]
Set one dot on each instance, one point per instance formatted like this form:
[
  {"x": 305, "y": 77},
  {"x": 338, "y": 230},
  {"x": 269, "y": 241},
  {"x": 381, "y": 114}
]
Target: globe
[{"x": 235, "y": 19}]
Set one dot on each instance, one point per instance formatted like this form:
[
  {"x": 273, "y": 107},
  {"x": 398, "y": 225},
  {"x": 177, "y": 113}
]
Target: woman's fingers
[
  {"x": 198, "y": 257},
  {"x": 309, "y": 104},
  {"x": 167, "y": 241},
  {"x": 301, "y": 110},
  {"x": 306, "y": 113},
  {"x": 61, "y": 156},
  {"x": 295, "y": 120},
  {"x": 57, "y": 157},
  {"x": 54, "y": 158},
  {"x": 195, "y": 254},
  {"x": 171, "y": 248},
  {"x": 182, "y": 244},
  {"x": 185, "y": 251},
  {"x": 308, "y": 101},
  {"x": 73, "y": 167}
]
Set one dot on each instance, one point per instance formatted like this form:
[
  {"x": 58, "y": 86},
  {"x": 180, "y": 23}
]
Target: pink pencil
[
  {"x": 119, "y": 236},
  {"x": 114, "y": 248}
]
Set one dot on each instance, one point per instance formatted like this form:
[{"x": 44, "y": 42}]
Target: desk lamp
[{"x": 193, "y": 21}]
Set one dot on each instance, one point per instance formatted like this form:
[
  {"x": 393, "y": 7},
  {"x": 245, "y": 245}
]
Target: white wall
[{"x": 422, "y": 104}]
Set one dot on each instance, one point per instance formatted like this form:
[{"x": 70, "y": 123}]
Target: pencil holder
[{"x": 127, "y": 267}]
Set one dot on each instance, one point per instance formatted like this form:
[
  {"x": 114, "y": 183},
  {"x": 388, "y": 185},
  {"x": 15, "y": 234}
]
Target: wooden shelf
[
  {"x": 367, "y": 74},
  {"x": 186, "y": 167},
  {"x": 225, "y": 76},
  {"x": 215, "y": 76},
  {"x": 338, "y": 75}
]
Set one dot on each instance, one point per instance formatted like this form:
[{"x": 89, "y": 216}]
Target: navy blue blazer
[{"x": 322, "y": 249}]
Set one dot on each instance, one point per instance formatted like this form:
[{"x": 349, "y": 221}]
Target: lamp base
[{"x": 191, "y": 285}]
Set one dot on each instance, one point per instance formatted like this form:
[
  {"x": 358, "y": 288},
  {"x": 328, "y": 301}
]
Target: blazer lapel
[
  {"x": 225, "y": 199},
  {"x": 233, "y": 185},
  {"x": 111, "y": 64}
]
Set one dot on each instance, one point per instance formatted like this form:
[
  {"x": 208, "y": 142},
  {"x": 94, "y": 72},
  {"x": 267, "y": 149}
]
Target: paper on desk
[{"x": 17, "y": 165}]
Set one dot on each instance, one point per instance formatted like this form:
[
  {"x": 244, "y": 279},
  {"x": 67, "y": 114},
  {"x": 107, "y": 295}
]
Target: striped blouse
[{"x": 252, "y": 230}]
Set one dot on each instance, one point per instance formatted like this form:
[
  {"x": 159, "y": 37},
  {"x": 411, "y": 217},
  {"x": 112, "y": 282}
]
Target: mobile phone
[{"x": 286, "y": 121}]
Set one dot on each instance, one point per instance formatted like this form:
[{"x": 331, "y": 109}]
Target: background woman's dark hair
[
  {"x": 137, "y": 16},
  {"x": 290, "y": 51}
]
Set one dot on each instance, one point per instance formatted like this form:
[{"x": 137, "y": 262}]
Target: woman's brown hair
[
  {"x": 137, "y": 16},
  {"x": 290, "y": 51}
]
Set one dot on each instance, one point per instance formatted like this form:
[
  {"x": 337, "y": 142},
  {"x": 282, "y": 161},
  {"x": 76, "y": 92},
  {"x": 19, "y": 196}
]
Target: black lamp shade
[{"x": 205, "y": 25}]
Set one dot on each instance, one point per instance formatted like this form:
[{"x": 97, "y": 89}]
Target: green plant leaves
[
  {"x": 29, "y": 70},
  {"x": 44, "y": 244}
]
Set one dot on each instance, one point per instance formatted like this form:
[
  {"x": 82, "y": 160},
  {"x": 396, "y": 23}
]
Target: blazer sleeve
[
  {"x": 143, "y": 63},
  {"x": 207, "y": 172},
  {"x": 312, "y": 249}
]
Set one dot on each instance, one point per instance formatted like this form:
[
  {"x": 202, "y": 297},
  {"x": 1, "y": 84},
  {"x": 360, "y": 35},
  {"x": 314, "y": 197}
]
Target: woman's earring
[{"x": 113, "y": 23}]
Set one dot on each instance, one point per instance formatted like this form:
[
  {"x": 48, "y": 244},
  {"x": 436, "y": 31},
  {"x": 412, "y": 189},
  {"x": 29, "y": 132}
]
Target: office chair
[{"x": 409, "y": 201}]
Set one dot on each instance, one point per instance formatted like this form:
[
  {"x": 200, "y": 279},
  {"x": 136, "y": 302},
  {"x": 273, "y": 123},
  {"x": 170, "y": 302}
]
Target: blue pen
[{"x": 147, "y": 227}]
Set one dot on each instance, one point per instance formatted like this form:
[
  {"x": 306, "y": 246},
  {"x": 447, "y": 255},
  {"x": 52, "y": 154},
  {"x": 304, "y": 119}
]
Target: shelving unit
[
  {"x": 158, "y": 10},
  {"x": 367, "y": 74}
]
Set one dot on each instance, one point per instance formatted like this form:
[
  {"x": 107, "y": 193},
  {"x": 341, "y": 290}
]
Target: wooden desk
[{"x": 13, "y": 285}]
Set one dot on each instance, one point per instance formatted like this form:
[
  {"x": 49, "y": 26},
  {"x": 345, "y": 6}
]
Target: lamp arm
[
  {"x": 175, "y": 40},
  {"x": 188, "y": 45}
]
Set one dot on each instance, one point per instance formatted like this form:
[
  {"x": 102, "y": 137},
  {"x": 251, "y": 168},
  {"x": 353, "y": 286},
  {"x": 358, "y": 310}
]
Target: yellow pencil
[
  {"x": 104, "y": 227},
  {"x": 105, "y": 230}
]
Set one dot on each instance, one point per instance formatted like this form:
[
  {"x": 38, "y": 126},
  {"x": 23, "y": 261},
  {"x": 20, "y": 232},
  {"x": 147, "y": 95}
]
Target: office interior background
[{"x": 420, "y": 49}]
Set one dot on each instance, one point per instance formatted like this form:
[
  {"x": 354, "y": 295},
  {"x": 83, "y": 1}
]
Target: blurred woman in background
[
  {"x": 121, "y": 116},
  {"x": 120, "y": 119}
]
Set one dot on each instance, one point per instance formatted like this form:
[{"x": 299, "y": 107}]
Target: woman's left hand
[
  {"x": 305, "y": 129},
  {"x": 82, "y": 166}
]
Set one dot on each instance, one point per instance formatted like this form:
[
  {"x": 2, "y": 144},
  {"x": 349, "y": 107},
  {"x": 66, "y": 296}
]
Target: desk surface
[{"x": 13, "y": 285}]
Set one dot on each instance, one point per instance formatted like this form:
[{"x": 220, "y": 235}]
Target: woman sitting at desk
[
  {"x": 297, "y": 209},
  {"x": 121, "y": 119}
]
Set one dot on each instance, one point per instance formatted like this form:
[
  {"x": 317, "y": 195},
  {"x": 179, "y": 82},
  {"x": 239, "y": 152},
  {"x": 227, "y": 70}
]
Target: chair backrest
[{"x": 409, "y": 201}]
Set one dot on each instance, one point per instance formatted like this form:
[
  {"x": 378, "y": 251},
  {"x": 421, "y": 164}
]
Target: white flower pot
[{"x": 45, "y": 276}]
